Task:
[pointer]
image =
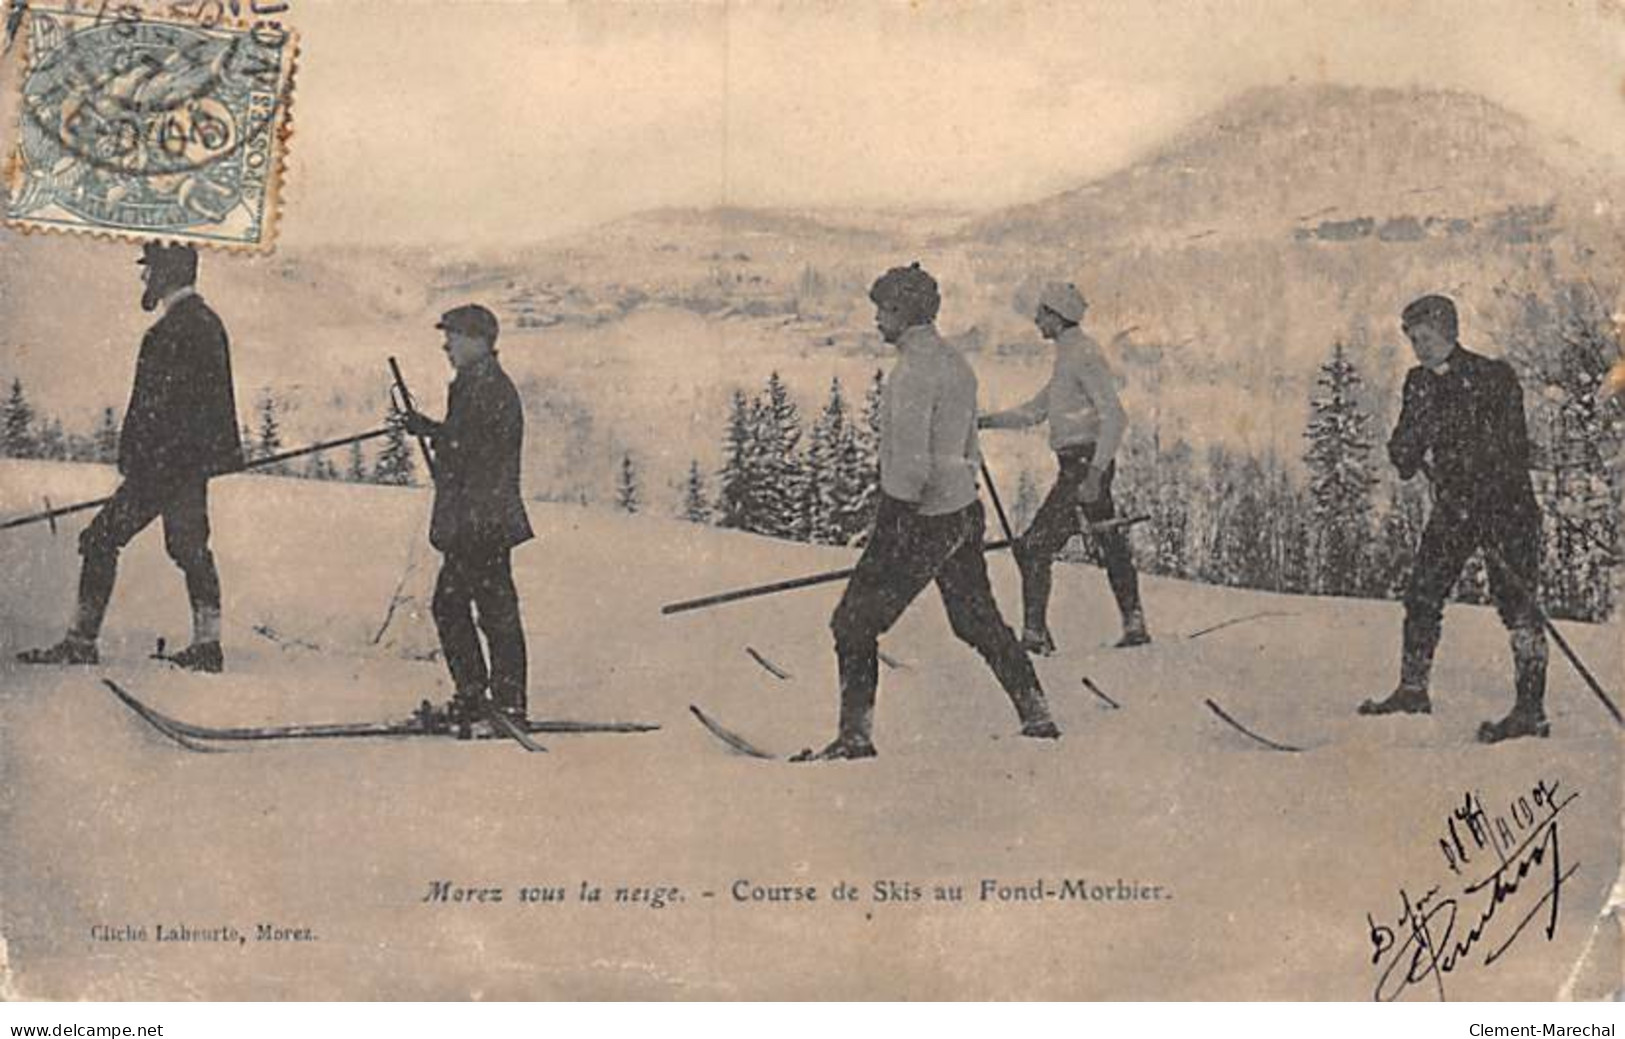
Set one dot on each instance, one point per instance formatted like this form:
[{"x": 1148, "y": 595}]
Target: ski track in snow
[{"x": 1272, "y": 859}]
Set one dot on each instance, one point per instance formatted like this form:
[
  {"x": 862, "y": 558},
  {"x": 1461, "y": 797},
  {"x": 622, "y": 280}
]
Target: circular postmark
[{"x": 145, "y": 124}]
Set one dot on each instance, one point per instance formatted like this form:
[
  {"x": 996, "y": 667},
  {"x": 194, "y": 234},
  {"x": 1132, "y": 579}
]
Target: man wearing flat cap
[
  {"x": 929, "y": 525},
  {"x": 1462, "y": 424},
  {"x": 179, "y": 429},
  {"x": 1086, "y": 425},
  {"x": 478, "y": 519}
]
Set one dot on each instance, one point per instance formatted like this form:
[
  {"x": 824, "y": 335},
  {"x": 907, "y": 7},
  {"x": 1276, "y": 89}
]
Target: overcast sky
[{"x": 485, "y": 123}]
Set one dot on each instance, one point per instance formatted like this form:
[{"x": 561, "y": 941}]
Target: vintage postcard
[{"x": 1092, "y": 500}]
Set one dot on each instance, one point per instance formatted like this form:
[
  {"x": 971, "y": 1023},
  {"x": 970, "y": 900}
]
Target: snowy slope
[{"x": 1271, "y": 861}]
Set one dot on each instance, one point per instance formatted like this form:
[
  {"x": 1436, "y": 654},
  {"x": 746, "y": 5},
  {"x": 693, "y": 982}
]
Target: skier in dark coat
[
  {"x": 929, "y": 525},
  {"x": 179, "y": 429},
  {"x": 478, "y": 518},
  {"x": 1462, "y": 423}
]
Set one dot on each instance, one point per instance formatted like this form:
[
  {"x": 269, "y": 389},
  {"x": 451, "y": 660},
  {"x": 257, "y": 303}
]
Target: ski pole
[
  {"x": 408, "y": 406},
  {"x": 998, "y": 506},
  {"x": 1499, "y": 561},
  {"x": 282, "y": 456},
  {"x": 791, "y": 584},
  {"x": 776, "y": 587},
  {"x": 1557, "y": 636}
]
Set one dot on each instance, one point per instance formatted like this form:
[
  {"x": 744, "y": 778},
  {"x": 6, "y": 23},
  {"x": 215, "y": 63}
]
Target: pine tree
[
  {"x": 626, "y": 485},
  {"x": 395, "y": 463},
  {"x": 52, "y": 442},
  {"x": 1217, "y": 531},
  {"x": 736, "y": 495},
  {"x": 1564, "y": 346},
  {"x": 1295, "y": 534},
  {"x": 867, "y": 438},
  {"x": 1341, "y": 479},
  {"x": 815, "y": 509},
  {"x": 811, "y": 513},
  {"x": 1399, "y": 530},
  {"x": 833, "y": 474},
  {"x": 317, "y": 467},
  {"x": 17, "y": 424},
  {"x": 357, "y": 470},
  {"x": 695, "y": 507},
  {"x": 1133, "y": 486},
  {"x": 268, "y": 441},
  {"x": 783, "y": 474},
  {"x": 1247, "y": 556},
  {"x": 1170, "y": 515},
  {"x": 850, "y": 489},
  {"x": 106, "y": 437},
  {"x": 763, "y": 515}
]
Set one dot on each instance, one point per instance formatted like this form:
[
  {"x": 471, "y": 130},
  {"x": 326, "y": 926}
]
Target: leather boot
[
  {"x": 1032, "y": 707},
  {"x": 73, "y": 649},
  {"x": 1528, "y": 715},
  {"x": 204, "y": 657},
  {"x": 466, "y": 707},
  {"x": 1415, "y": 669},
  {"x": 1134, "y": 633},
  {"x": 854, "y": 739},
  {"x": 1037, "y": 643}
]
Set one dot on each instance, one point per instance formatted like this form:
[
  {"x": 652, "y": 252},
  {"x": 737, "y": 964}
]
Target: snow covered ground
[{"x": 1267, "y": 863}]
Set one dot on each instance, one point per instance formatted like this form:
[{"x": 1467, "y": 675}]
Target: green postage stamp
[{"x": 140, "y": 127}]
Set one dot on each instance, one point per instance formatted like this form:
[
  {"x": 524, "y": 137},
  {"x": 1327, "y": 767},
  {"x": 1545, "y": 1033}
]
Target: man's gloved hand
[
  {"x": 1407, "y": 450},
  {"x": 418, "y": 424},
  {"x": 1093, "y": 479}
]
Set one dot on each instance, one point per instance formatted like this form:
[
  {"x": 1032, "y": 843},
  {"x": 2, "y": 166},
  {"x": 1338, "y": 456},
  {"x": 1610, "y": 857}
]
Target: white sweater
[
  {"x": 928, "y": 448},
  {"x": 1079, "y": 401}
]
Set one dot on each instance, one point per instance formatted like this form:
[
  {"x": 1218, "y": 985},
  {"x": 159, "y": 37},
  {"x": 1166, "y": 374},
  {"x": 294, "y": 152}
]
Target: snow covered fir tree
[
  {"x": 626, "y": 486},
  {"x": 268, "y": 435},
  {"x": 772, "y": 483},
  {"x": 1564, "y": 343},
  {"x": 17, "y": 428},
  {"x": 696, "y": 507},
  {"x": 1340, "y": 478},
  {"x": 396, "y": 463}
]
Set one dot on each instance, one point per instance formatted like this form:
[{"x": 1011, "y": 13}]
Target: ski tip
[
  {"x": 505, "y": 726},
  {"x": 767, "y": 665},
  {"x": 1101, "y": 693},
  {"x": 733, "y": 740},
  {"x": 160, "y": 723},
  {"x": 1225, "y": 717}
]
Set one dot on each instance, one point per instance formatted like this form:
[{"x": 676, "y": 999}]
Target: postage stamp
[{"x": 143, "y": 127}]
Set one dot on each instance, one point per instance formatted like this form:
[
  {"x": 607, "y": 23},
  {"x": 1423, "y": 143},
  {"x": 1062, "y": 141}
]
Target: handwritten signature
[{"x": 1425, "y": 941}]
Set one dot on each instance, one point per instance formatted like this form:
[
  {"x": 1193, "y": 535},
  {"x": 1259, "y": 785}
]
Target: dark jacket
[
  {"x": 478, "y": 448},
  {"x": 182, "y": 417},
  {"x": 1470, "y": 419}
]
